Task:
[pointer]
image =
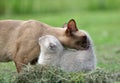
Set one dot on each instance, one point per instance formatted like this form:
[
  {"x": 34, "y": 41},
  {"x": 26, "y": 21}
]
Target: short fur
[
  {"x": 19, "y": 39},
  {"x": 70, "y": 60}
]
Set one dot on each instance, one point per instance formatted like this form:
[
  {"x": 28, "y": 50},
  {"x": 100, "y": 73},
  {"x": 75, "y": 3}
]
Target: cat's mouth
[{"x": 84, "y": 44}]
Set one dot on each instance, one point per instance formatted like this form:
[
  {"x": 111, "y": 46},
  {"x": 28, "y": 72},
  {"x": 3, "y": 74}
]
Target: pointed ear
[
  {"x": 65, "y": 25},
  {"x": 41, "y": 39},
  {"x": 71, "y": 27}
]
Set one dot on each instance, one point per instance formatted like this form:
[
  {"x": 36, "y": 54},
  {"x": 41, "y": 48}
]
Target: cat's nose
[{"x": 85, "y": 42}]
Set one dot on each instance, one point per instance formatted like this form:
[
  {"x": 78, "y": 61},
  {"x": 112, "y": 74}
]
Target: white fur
[
  {"x": 69, "y": 60},
  {"x": 48, "y": 55}
]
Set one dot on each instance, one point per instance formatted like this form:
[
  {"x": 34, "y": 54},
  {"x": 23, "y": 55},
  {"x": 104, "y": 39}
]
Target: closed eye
[
  {"x": 52, "y": 46},
  {"x": 78, "y": 42},
  {"x": 81, "y": 42}
]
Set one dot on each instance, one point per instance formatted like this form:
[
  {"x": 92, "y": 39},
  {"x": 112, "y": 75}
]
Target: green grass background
[{"x": 103, "y": 24}]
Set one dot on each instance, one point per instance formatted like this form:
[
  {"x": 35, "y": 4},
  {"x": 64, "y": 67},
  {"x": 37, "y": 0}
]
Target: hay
[{"x": 46, "y": 74}]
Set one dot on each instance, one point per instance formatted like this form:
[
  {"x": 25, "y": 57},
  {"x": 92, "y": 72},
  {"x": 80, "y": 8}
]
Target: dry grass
[{"x": 41, "y": 74}]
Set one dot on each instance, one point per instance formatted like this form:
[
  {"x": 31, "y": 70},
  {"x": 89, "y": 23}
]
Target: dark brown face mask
[
  {"x": 77, "y": 39},
  {"x": 83, "y": 43}
]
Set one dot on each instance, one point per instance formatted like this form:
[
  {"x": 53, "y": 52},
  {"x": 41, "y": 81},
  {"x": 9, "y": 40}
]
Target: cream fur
[{"x": 19, "y": 39}]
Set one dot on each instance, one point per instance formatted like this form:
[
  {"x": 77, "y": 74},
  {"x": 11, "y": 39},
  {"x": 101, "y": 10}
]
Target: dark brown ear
[{"x": 71, "y": 27}]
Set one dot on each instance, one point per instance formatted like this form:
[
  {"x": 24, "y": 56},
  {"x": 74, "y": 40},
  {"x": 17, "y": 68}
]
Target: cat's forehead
[
  {"x": 48, "y": 39},
  {"x": 51, "y": 38}
]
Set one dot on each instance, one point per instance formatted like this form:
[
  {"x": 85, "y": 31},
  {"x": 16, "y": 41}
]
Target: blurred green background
[
  {"x": 101, "y": 18},
  {"x": 55, "y": 6}
]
